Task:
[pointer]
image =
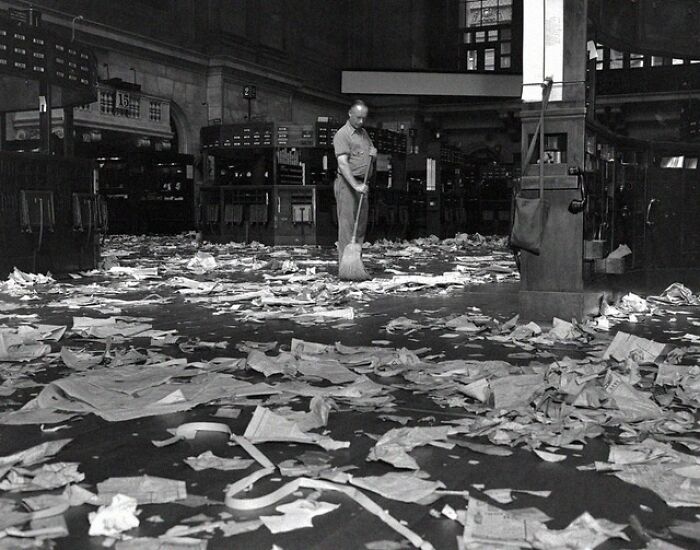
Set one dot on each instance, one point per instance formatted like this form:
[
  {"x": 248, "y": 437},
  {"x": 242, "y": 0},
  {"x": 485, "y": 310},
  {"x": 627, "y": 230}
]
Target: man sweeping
[{"x": 355, "y": 152}]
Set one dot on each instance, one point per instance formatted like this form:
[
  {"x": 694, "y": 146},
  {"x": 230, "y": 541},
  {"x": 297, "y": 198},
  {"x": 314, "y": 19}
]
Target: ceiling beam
[{"x": 431, "y": 84}]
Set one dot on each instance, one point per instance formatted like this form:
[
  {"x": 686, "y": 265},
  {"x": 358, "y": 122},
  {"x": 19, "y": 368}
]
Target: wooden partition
[{"x": 50, "y": 217}]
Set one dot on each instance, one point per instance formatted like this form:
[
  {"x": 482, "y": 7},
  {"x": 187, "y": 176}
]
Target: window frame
[{"x": 490, "y": 47}]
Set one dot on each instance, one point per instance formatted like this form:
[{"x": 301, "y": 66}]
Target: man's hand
[
  {"x": 361, "y": 188},
  {"x": 372, "y": 151}
]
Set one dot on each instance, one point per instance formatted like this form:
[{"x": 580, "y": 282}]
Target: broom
[{"x": 351, "y": 267}]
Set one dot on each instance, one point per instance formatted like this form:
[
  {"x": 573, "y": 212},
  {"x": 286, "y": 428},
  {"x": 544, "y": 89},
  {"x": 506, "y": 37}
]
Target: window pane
[
  {"x": 467, "y": 38},
  {"x": 489, "y": 12},
  {"x": 505, "y": 34},
  {"x": 493, "y": 36},
  {"x": 672, "y": 162},
  {"x": 471, "y": 60},
  {"x": 657, "y": 61},
  {"x": 489, "y": 59},
  {"x": 505, "y": 48},
  {"x": 677, "y": 61},
  {"x": 636, "y": 60},
  {"x": 505, "y": 15},
  {"x": 505, "y": 62},
  {"x": 616, "y": 59},
  {"x": 480, "y": 36},
  {"x": 474, "y": 13}
]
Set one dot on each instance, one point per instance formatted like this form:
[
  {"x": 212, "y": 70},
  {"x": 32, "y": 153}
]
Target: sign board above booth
[{"x": 30, "y": 55}]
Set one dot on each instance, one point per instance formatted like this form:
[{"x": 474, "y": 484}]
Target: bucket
[{"x": 593, "y": 249}]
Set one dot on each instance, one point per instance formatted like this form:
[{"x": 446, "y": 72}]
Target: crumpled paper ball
[{"x": 118, "y": 516}]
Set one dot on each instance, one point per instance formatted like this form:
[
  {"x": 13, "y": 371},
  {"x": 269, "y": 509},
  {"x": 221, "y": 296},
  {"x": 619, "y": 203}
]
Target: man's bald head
[{"x": 357, "y": 114}]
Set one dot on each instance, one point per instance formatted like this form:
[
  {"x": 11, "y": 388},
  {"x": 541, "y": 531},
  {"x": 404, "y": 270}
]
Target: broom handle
[{"x": 362, "y": 197}]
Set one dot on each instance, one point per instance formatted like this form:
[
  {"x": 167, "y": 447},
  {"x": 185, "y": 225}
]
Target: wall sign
[{"x": 122, "y": 99}]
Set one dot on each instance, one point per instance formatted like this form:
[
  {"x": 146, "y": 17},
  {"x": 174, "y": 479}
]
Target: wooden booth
[{"x": 50, "y": 216}]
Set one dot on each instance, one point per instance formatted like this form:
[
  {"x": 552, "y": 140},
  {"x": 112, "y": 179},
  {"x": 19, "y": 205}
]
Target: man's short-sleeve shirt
[{"x": 356, "y": 144}]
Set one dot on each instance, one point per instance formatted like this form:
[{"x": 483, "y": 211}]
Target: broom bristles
[{"x": 351, "y": 267}]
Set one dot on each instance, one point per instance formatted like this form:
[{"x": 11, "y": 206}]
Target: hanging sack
[
  {"x": 530, "y": 215},
  {"x": 529, "y": 223}
]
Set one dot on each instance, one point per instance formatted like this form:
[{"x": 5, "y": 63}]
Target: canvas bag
[
  {"x": 528, "y": 223},
  {"x": 530, "y": 215}
]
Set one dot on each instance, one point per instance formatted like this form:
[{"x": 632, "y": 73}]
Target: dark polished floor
[{"x": 106, "y": 449}]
